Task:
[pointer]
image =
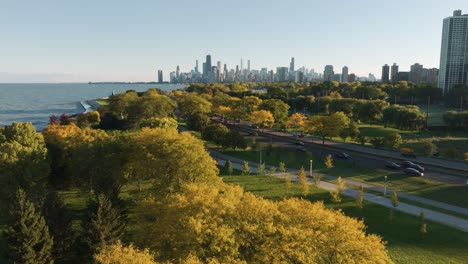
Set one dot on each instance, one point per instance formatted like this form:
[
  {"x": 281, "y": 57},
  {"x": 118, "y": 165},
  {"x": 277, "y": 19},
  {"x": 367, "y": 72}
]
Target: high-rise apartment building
[
  {"x": 282, "y": 73},
  {"x": 385, "y": 73},
  {"x": 352, "y": 77},
  {"x": 177, "y": 72},
  {"x": 328, "y": 73},
  {"x": 344, "y": 74},
  {"x": 291, "y": 66},
  {"x": 248, "y": 65},
  {"x": 394, "y": 74},
  {"x": 416, "y": 71},
  {"x": 454, "y": 51},
  {"x": 160, "y": 76}
]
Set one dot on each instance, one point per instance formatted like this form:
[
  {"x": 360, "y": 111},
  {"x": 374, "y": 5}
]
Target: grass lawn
[
  {"x": 423, "y": 187},
  {"x": 405, "y": 244},
  {"x": 102, "y": 102}
]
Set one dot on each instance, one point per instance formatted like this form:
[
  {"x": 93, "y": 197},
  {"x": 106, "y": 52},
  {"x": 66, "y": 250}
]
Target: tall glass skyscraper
[{"x": 454, "y": 52}]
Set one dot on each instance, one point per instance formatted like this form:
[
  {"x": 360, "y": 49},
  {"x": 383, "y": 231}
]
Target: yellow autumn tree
[
  {"x": 120, "y": 254},
  {"x": 262, "y": 117},
  {"x": 229, "y": 225},
  {"x": 296, "y": 120},
  {"x": 170, "y": 159}
]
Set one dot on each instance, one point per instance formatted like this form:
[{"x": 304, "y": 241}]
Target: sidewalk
[{"x": 453, "y": 221}]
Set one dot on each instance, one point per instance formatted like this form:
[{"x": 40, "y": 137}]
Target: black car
[
  {"x": 301, "y": 149},
  {"x": 413, "y": 172},
  {"x": 299, "y": 143},
  {"x": 342, "y": 155},
  {"x": 409, "y": 164},
  {"x": 254, "y": 126},
  {"x": 392, "y": 165}
]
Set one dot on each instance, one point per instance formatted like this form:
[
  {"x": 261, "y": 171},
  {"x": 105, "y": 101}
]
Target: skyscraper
[
  {"x": 248, "y": 65},
  {"x": 196, "y": 66},
  {"x": 394, "y": 74},
  {"x": 291, "y": 66},
  {"x": 454, "y": 51},
  {"x": 242, "y": 65},
  {"x": 208, "y": 74},
  {"x": 177, "y": 72},
  {"x": 160, "y": 76},
  {"x": 328, "y": 73},
  {"x": 385, "y": 73},
  {"x": 282, "y": 73},
  {"x": 344, "y": 74}
]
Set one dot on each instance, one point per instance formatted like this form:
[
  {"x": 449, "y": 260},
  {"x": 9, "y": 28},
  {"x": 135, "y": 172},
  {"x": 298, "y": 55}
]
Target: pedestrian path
[{"x": 446, "y": 219}]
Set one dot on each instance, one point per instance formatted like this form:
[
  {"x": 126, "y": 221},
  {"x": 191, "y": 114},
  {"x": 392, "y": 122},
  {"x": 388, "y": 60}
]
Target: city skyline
[{"x": 54, "y": 41}]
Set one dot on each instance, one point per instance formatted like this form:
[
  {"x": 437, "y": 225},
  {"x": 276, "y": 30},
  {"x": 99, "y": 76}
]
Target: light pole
[
  {"x": 385, "y": 186},
  {"x": 311, "y": 161}
]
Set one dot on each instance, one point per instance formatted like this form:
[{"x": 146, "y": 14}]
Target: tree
[
  {"x": 261, "y": 168},
  {"x": 353, "y": 130},
  {"x": 282, "y": 167},
  {"x": 245, "y": 168},
  {"x": 362, "y": 139},
  {"x": 377, "y": 141},
  {"x": 23, "y": 160},
  {"x": 59, "y": 223},
  {"x": 234, "y": 140},
  {"x": 360, "y": 198},
  {"x": 303, "y": 181},
  {"x": 169, "y": 158},
  {"x": 327, "y": 126},
  {"x": 229, "y": 168},
  {"x": 272, "y": 170},
  {"x": 232, "y": 226},
  {"x": 393, "y": 140},
  {"x": 262, "y": 117},
  {"x": 161, "y": 122},
  {"x": 278, "y": 108},
  {"x": 120, "y": 254},
  {"x": 394, "y": 200},
  {"x": 428, "y": 148},
  {"x": 339, "y": 189},
  {"x": 317, "y": 178},
  {"x": 105, "y": 224},
  {"x": 328, "y": 161},
  {"x": 28, "y": 237},
  {"x": 296, "y": 120},
  {"x": 215, "y": 132}
]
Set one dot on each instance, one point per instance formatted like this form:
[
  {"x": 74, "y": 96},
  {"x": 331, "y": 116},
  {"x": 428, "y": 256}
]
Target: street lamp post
[
  {"x": 385, "y": 186},
  {"x": 311, "y": 161}
]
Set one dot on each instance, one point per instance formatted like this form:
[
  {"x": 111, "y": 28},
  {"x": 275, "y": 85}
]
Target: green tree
[
  {"x": 428, "y": 148},
  {"x": 353, "y": 130},
  {"x": 105, "y": 224},
  {"x": 303, "y": 181},
  {"x": 245, "y": 168},
  {"x": 327, "y": 126},
  {"x": 28, "y": 236},
  {"x": 161, "y": 122},
  {"x": 229, "y": 168},
  {"x": 215, "y": 132},
  {"x": 23, "y": 160},
  {"x": 59, "y": 223},
  {"x": 272, "y": 169},
  {"x": 393, "y": 140},
  {"x": 328, "y": 161},
  {"x": 278, "y": 108},
  {"x": 377, "y": 141}
]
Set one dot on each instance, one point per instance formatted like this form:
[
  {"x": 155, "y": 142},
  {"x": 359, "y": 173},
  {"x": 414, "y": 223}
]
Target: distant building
[
  {"x": 299, "y": 77},
  {"x": 385, "y": 73},
  {"x": 177, "y": 72},
  {"x": 403, "y": 76},
  {"x": 160, "y": 76},
  {"x": 394, "y": 74},
  {"x": 430, "y": 76},
  {"x": 328, "y": 73},
  {"x": 371, "y": 78},
  {"x": 291, "y": 66},
  {"x": 336, "y": 77},
  {"x": 415, "y": 74},
  {"x": 344, "y": 74},
  {"x": 454, "y": 51},
  {"x": 282, "y": 73},
  {"x": 352, "y": 77}
]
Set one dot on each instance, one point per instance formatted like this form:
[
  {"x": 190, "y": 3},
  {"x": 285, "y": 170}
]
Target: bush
[
  {"x": 428, "y": 148},
  {"x": 393, "y": 140},
  {"x": 377, "y": 142}
]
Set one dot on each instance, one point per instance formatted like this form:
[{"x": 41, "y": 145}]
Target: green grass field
[{"x": 405, "y": 244}]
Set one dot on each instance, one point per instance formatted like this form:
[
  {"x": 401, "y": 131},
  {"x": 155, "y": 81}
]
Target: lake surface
[{"x": 36, "y": 102}]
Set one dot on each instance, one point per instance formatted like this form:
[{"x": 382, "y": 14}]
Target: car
[
  {"x": 299, "y": 143},
  {"x": 413, "y": 172},
  {"x": 409, "y": 164},
  {"x": 254, "y": 126},
  {"x": 392, "y": 165},
  {"x": 342, "y": 155},
  {"x": 301, "y": 149}
]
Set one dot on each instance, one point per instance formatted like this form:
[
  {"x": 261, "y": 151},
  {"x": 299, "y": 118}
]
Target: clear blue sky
[{"x": 91, "y": 40}]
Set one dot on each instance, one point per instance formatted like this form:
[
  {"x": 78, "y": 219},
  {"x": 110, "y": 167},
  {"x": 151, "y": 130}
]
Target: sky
[{"x": 120, "y": 40}]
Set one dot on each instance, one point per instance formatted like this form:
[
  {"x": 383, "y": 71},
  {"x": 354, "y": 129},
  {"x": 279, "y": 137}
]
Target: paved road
[
  {"x": 366, "y": 159},
  {"x": 449, "y": 220}
]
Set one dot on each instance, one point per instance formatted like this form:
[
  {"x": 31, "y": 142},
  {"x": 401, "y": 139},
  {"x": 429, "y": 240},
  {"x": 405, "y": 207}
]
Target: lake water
[{"x": 36, "y": 102}]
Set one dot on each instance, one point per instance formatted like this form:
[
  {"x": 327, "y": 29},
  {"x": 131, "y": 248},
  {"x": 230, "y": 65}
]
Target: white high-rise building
[{"x": 454, "y": 51}]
